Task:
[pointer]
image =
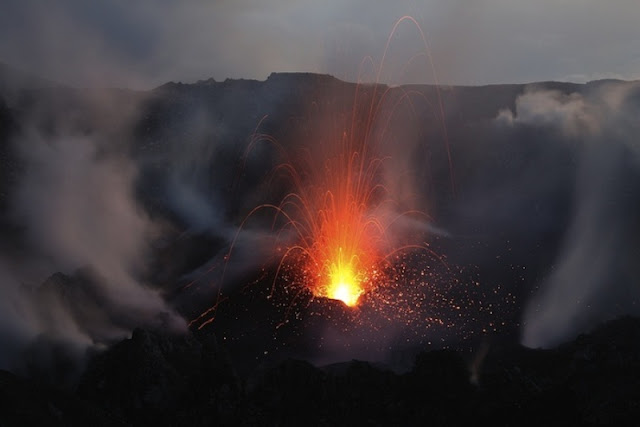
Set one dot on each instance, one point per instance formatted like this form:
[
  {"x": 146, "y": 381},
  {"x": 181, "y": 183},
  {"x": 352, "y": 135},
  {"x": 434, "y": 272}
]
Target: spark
[{"x": 336, "y": 223}]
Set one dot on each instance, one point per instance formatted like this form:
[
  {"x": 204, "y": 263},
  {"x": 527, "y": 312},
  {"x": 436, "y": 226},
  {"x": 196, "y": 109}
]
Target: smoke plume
[
  {"x": 593, "y": 278},
  {"x": 75, "y": 206}
]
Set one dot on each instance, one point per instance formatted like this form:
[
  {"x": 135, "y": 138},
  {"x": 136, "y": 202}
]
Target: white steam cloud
[
  {"x": 591, "y": 280},
  {"x": 76, "y": 209}
]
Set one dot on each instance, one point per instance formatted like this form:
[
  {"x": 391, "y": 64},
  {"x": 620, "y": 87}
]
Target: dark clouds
[{"x": 145, "y": 43}]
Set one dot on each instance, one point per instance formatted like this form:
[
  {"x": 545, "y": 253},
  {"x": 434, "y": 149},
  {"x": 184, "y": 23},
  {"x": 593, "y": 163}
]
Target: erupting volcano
[
  {"x": 337, "y": 226},
  {"x": 343, "y": 221},
  {"x": 340, "y": 239},
  {"x": 339, "y": 209}
]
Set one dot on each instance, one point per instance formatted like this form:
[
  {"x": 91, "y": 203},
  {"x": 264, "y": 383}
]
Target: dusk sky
[{"x": 144, "y": 43}]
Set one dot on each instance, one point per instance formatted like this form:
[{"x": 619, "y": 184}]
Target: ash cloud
[{"x": 593, "y": 277}]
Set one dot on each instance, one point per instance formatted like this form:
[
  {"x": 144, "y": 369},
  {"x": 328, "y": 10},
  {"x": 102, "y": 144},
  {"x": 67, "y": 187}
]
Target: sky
[{"x": 144, "y": 43}]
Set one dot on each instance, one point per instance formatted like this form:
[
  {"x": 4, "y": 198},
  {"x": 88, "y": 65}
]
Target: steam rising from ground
[
  {"x": 76, "y": 209},
  {"x": 77, "y": 213},
  {"x": 593, "y": 278}
]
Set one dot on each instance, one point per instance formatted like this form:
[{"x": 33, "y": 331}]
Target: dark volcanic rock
[
  {"x": 287, "y": 394},
  {"x": 513, "y": 204},
  {"x": 602, "y": 371},
  {"x": 159, "y": 379},
  {"x": 24, "y": 403},
  {"x": 9, "y": 164},
  {"x": 163, "y": 380}
]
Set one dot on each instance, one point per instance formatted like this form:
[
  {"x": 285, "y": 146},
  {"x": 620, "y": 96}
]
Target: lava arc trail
[
  {"x": 338, "y": 228},
  {"x": 337, "y": 224}
]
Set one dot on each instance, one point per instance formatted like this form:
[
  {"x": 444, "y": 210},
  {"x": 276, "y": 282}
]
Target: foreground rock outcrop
[{"x": 160, "y": 379}]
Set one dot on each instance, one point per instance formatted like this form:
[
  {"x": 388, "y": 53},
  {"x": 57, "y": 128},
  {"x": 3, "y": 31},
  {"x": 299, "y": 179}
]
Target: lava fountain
[
  {"x": 340, "y": 237},
  {"x": 339, "y": 210},
  {"x": 335, "y": 229}
]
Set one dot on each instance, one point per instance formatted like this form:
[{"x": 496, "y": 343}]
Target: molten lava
[
  {"x": 347, "y": 292},
  {"x": 344, "y": 283},
  {"x": 340, "y": 234},
  {"x": 337, "y": 226}
]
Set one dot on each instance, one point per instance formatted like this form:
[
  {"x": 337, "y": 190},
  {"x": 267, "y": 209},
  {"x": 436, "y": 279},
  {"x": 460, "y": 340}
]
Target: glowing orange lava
[
  {"x": 341, "y": 273},
  {"x": 334, "y": 225},
  {"x": 339, "y": 234},
  {"x": 343, "y": 282}
]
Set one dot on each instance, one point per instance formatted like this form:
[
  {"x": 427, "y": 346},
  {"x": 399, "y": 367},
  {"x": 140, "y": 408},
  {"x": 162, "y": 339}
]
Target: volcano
[{"x": 304, "y": 250}]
